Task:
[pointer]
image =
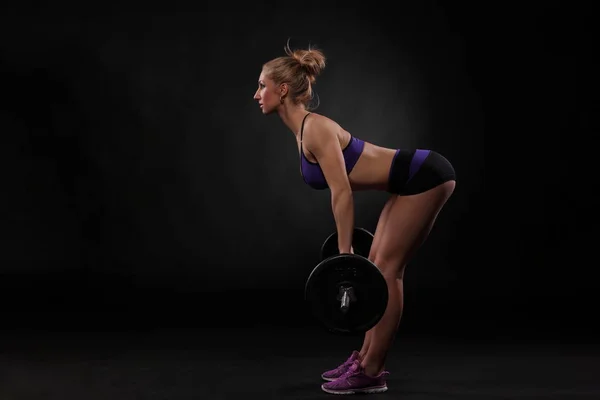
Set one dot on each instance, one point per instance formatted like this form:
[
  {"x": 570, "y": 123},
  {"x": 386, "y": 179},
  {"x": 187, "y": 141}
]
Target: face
[{"x": 267, "y": 94}]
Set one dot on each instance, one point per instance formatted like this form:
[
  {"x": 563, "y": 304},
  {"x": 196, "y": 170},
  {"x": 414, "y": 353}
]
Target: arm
[{"x": 324, "y": 145}]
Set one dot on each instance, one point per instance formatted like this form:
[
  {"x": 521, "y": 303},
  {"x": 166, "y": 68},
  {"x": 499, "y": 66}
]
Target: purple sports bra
[{"x": 312, "y": 173}]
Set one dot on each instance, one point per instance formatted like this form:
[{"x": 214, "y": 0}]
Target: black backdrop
[{"x": 141, "y": 179}]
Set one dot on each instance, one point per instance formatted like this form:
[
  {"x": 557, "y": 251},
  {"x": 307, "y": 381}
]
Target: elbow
[
  {"x": 341, "y": 195},
  {"x": 344, "y": 192}
]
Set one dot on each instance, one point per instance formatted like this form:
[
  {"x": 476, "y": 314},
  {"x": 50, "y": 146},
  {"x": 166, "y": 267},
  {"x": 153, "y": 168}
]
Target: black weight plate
[
  {"x": 369, "y": 286},
  {"x": 361, "y": 243}
]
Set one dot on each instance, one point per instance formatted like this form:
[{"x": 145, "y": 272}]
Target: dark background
[{"x": 141, "y": 184}]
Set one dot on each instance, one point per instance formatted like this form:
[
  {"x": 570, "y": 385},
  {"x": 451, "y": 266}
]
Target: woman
[{"x": 419, "y": 181}]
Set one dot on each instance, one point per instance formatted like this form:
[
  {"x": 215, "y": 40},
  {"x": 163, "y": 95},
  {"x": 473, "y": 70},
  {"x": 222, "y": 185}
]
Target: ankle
[{"x": 371, "y": 369}]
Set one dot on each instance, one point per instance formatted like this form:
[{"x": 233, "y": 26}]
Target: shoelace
[
  {"x": 346, "y": 363},
  {"x": 351, "y": 371}
]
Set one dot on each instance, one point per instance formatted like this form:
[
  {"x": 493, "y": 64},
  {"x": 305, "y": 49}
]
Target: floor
[{"x": 271, "y": 361}]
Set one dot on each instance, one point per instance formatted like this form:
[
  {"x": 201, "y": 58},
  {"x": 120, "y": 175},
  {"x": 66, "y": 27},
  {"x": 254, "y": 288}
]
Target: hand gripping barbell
[{"x": 347, "y": 293}]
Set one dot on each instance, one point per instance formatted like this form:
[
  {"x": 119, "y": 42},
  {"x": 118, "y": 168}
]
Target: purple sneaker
[
  {"x": 333, "y": 374},
  {"x": 355, "y": 381}
]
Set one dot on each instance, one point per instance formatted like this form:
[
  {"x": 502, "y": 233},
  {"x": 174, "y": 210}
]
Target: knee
[
  {"x": 373, "y": 250},
  {"x": 372, "y": 255},
  {"x": 391, "y": 270}
]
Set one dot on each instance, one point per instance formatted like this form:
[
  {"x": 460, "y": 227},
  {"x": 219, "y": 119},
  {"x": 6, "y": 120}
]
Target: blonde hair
[{"x": 299, "y": 69}]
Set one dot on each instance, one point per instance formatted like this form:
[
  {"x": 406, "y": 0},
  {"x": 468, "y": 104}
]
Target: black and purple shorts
[{"x": 416, "y": 171}]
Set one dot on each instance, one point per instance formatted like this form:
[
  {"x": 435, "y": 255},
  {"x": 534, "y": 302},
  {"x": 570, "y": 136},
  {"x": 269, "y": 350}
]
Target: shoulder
[
  {"x": 322, "y": 137},
  {"x": 319, "y": 128}
]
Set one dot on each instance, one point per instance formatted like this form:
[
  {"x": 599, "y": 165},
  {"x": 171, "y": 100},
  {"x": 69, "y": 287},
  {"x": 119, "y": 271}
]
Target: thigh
[
  {"x": 408, "y": 224},
  {"x": 383, "y": 217}
]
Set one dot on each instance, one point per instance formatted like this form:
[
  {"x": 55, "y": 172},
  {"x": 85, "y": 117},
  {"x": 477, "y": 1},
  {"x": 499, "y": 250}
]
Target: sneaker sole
[{"x": 370, "y": 390}]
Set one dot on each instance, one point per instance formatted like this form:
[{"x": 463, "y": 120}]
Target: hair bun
[{"x": 311, "y": 59}]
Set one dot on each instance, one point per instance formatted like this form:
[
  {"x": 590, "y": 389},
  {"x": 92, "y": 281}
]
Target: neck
[{"x": 292, "y": 117}]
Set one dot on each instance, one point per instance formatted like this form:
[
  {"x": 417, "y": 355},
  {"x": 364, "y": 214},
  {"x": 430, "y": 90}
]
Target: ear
[{"x": 283, "y": 89}]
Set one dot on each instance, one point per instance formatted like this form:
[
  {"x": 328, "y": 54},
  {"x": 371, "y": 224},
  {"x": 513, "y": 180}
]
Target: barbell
[{"x": 347, "y": 293}]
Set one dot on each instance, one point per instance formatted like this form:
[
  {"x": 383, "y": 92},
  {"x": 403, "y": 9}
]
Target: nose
[{"x": 256, "y": 96}]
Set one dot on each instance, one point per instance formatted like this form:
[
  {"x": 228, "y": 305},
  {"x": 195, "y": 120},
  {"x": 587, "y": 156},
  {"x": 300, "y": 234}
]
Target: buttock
[{"x": 416, "y": 171}]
